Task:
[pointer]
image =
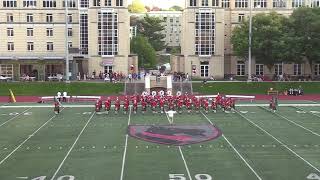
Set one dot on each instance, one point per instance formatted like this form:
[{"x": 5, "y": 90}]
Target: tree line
[{"x": 277, "y": 38}]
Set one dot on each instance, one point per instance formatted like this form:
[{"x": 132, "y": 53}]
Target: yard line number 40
[
  {"x": 65, "y": 177},
  {"x": 197, "y": 177}
]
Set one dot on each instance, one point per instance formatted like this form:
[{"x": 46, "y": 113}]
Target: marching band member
[
  {"x": 117, "y": 106},
  {"x": 107, "y": 105},
  {"x": 56, "y": 107},
  {"x": 214, "y": 105},
  {"x": 97, "y": 106},
  {"x": 126, "y": 106},
  {"x": 135, "y": 106},
  {"x": 143, "y": 106}
]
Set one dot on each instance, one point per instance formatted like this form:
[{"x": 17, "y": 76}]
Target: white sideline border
[
  {"x": 91, "y": 105},
  {"x": 277, "y": 140},
  {"x": 235, "y": 150}
]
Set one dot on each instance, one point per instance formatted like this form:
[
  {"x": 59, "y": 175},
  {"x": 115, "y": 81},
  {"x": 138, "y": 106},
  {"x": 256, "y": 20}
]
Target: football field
[{"x": 79, "y": 144}]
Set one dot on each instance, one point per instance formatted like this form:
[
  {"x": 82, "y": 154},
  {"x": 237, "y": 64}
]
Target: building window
[
  {"x": 49, "y": 32},
  {"x": 278, "y": 69},
  {"x": 96, "y": 3},
  {"x": 240, "y": 68},
  {"x": 204, "y": 2},
  {"x": 69, "y": 32},
  {"x": 49, "y": 18},
  {"x": 69, "y": 18},
  {"x": 279, "y": 3},
  {"x": 84, "y": 3},
  {"x": 260, "y": 3},
  {"x": 108, "y": 69},
  {"x": 49, "y": 3},
  {"x": 29, "y": 31},
  {"x": 205, "y": 33},
  {"x": 70, "y": 3},
  {"x": 119, "y": 2},
  {"x": 10, "y": 46},
  {"x": 204, "y": 69},
  {"x": 259, "y": 69},
  {"x": 297, "y": 3},
  {"x": 10, "y": 32},
  {"x": 49, "y": 46},
  {"x": 107, "y": 33},
  {"x": 315, "y": 3},
  {"x": 29, "y": 3},
  {"x": 30, "y": 46},
  {"x": 240, "y": 17},
  {"x": 29, "y": 18},
  {"x": 193, "y": 2},
  {"x": 107, "y": 2},
  {"x": 83, "y": 33},
  {"x": 6, "y": 70},
  {"x": 215, "y": 3},
  {"x": 10, "y": 3},
  {"x": 9, "y": 17},
  {"x": 241, "y": 3},
  {"x": 225, "y": 3},
  {"x": 297, "y": 69},
  {"x": 317, "y": 69}
]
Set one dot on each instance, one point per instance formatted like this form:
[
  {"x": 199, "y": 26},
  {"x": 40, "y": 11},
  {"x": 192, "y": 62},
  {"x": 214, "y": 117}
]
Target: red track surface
[{"x": 313, "y": 97}]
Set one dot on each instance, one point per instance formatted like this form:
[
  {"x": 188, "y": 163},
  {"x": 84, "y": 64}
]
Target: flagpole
[
  {"x": 250, "y": 41},
  {"x": 66, "y": 42}
]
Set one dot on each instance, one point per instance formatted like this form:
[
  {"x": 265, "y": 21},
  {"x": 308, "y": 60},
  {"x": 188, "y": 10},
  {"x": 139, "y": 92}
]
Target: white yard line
[
  {"x": 235, "y": 150},
  {"x": 285, "y": 118},
  {"x": 280, "y": 142},
  {"x": 74, "y": 143},
  {"x": 30, "y": 136},
  {"x": 185, "y": 163},
  {"x": 125, "y": 149},
  {"x": 306, "y": 111},
  {"x": 14, "y": 117},
  {"x": 181, "y": 154}
]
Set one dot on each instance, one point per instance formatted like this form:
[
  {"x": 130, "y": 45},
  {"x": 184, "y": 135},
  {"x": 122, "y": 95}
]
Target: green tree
[
  {"x": 152, "y": 28},
  {"x": 175, "y": 8},
  {"x": 146, "y": 54},
  {"x": 136, "y": 7},
  {"x": 304, "y": 30},
  {"x": 267, "y": 41}
]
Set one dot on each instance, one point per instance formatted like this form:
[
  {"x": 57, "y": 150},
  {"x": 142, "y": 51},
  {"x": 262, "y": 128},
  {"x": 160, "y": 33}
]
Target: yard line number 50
[{"x": 197, "y": 176}]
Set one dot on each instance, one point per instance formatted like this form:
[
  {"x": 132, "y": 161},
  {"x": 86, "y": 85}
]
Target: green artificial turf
[{"x": 37, "y": 145}]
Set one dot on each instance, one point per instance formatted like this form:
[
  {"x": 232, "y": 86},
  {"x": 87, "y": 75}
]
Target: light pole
[
  {"x": 66, "y": 41},
  {"x": 250, "y": 41}
]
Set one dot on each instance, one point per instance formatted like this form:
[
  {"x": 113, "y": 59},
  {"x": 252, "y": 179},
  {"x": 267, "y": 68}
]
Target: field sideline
[{"x": 256, "y": 144}]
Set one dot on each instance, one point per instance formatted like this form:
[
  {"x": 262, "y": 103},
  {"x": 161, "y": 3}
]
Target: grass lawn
[{"x": 92, "y": 88}]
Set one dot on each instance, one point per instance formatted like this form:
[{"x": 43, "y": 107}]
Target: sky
[{"x": 165, "y": 4}]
